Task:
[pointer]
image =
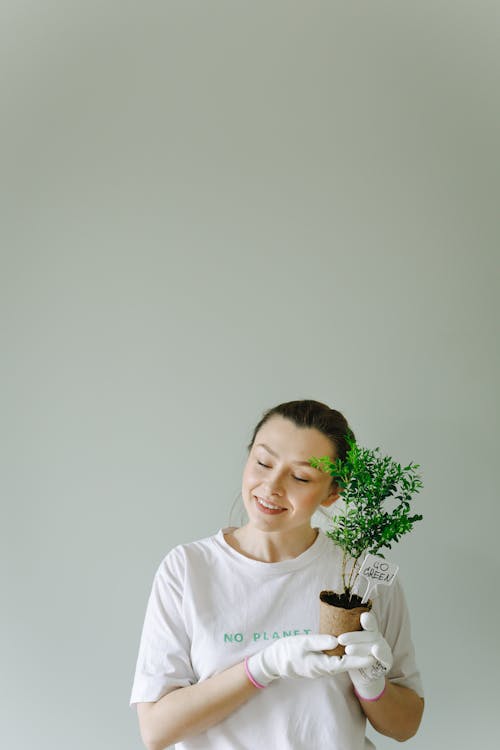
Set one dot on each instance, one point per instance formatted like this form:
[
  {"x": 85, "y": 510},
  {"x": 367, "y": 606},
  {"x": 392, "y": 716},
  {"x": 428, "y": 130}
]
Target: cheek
[
  {"x": 249, "y": 476},
  {"x": 311, "y": 499}
]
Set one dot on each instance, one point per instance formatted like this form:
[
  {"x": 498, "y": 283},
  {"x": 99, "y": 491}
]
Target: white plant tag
[{"x": 377, "y": 571}]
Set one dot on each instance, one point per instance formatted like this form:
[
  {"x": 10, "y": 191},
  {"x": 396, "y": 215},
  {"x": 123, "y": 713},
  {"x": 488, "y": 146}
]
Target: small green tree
[{"x": 369, "y": 483}]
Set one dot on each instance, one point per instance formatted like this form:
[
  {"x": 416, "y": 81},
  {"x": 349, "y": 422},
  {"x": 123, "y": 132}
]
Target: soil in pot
[{"x": 338, "y": 614}]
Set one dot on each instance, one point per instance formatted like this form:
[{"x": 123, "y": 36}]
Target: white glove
[
  {"x": 296, "y": 656},
  {"x": 373, "y": 655}
]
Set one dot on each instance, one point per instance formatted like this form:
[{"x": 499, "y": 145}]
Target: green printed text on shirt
[{"x": 265, "y": 635}]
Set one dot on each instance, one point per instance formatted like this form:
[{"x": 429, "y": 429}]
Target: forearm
[
  {"x": 190, "y": 710},
  {"x": 397, "y": 713}
]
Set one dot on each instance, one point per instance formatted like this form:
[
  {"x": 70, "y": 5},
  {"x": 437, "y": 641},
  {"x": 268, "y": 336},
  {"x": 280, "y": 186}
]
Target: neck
[{"x": 271, "y": 546}]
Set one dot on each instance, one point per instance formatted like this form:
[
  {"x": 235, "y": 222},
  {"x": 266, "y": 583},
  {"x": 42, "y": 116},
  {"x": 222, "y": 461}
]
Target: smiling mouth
[{"x": 268, "y": 507}]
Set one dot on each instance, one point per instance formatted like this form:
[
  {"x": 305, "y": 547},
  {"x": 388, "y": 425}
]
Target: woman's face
[{"x": 280, "y": 489}]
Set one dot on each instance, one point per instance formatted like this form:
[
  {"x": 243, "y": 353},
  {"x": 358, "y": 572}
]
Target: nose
[{"x": 274, "y": 485}]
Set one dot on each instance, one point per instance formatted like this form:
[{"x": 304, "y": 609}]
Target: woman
[{"x": 230, "y": 656}]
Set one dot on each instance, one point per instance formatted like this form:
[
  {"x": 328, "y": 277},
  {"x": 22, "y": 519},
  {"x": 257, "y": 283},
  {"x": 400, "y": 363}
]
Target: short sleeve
[
  {"x": 396, "y": 629},
  {"x": 163, "y": 663}
]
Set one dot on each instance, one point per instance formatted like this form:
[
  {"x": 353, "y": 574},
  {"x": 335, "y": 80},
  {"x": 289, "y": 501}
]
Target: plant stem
[
  {"x": 356, "y": 577},
  {"x": 351, "y": 582},
  {"x": 344, "y": 563}
]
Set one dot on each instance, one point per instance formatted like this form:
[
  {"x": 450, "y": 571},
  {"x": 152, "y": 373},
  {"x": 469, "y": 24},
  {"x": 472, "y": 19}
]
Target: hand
[
  {"x": 373, "y": 655},
  {"x": 296, "y": 656}
]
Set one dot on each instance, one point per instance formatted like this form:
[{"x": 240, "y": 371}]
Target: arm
[
  {"x": 193, "y": 709},
  {"x": 392, "y": 709},
  {"x": 397, "y": 713}
]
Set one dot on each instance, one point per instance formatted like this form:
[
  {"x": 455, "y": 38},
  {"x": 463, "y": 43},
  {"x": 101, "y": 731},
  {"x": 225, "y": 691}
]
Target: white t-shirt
[{"x": 210, "y": 607}]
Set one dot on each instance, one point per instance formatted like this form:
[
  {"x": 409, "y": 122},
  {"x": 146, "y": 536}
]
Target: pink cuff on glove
[
  {"x": 370, "y": 700},
  {"x": 250, "y": 677}
]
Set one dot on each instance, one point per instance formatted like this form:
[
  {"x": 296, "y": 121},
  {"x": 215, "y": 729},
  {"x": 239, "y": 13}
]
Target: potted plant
[{"x": 376, "y": 493}]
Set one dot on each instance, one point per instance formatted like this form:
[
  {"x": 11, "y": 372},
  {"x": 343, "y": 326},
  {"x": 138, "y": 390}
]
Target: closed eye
[{"x": 268, "y": 467}]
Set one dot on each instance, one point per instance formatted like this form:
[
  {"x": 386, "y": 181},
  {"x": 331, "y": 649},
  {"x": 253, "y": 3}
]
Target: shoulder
[
  {"x": 187, "y": 555},
  {"x": 327, "y": 548},
  {"x": 391, "y": 609}
]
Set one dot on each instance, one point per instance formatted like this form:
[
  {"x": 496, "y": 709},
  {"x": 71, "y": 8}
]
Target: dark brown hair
[{"x": 306, "y": 413}]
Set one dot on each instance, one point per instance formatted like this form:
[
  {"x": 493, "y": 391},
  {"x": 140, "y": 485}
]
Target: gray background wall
[{"x": 210, "y": 208}]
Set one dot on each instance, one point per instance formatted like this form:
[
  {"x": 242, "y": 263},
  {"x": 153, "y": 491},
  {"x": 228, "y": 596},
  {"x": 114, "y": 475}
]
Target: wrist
[
  {"x": 370, "y": 690},
  {"x": 255, "y": 672}
]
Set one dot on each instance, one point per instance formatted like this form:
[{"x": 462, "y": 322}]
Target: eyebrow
[{"x": 298, "y": 463}]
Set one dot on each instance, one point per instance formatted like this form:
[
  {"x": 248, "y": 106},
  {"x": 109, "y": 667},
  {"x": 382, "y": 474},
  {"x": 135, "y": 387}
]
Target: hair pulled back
[{"x": 307, "y": 413}]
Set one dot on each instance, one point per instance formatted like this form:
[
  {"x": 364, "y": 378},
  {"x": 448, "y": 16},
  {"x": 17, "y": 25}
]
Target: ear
[{"x": 332, "y": 497}]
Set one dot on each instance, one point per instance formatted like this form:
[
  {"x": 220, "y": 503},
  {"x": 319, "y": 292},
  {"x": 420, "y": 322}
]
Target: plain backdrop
[{"x": 209, "y": 208}]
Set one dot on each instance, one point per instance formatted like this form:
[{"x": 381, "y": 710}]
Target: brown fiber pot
[{"x": 336, "y": 620}]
